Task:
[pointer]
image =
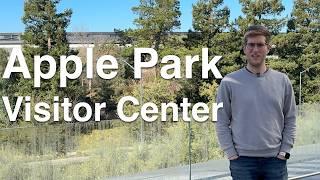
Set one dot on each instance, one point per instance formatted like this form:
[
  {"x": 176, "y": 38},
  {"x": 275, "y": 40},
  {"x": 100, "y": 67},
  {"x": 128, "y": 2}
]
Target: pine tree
[
  {"x": 305, "y": 16},
  {"x": 45, "y": 34},
  {"x": 156, "y": 19},
  {"x": 209, "y": 19},
  {"x": 261, "y": 12},
  {"x": 303, "y": 44},
  {"x": 213, "y": 30}
]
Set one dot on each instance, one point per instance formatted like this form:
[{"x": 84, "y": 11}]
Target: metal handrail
[{"x": 304, "y": 176}]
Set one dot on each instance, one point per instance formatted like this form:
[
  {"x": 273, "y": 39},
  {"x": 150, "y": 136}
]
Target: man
[{"x": 256, "y": 126}]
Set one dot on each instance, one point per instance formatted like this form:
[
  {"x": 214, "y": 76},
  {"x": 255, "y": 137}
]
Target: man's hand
[
  {"x": 281, "y": 157},
  {"x": 233, "y": 157}
]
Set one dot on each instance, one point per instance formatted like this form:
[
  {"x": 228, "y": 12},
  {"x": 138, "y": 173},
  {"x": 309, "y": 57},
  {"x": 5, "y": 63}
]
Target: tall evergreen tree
[
  {"x": 156, "y": 19},
  {"x": 305, "y": 16},
  {"x": 304, "y": 37},
  {"x": 209, "y": 19},
  {"x": 45, "y": 34},
  {"x": 213, "y": 30},
  {"x": 261, "y": 12}
]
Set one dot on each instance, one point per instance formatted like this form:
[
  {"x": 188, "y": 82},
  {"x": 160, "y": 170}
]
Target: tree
[
  {"x": 297, "y": 52},
  {"x": 305, "y": 16},
  {"x": 213, "y": 30},
  {"x": 3, "y": 60},
  {"x": 7, "y": 87},
  {"x": 259, "y": 12},
  {"x": 303, "y": 28},
  {"x": 152, "y": 90},
  {"x": 109, "y": 90},
  {"x": 156, "y": 19},
  {"x": 209, "y": 19},
  {"x": 45, "y": 34}
]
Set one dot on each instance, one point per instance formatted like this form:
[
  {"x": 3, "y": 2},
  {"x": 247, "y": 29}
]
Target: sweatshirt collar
[{"x": 257, "y": 74}]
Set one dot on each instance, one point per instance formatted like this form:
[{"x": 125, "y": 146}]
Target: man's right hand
[{"x": 233, "y": 157}]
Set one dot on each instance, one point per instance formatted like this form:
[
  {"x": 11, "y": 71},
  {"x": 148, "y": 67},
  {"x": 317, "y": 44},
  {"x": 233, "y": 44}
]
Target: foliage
[
  {"x": 259, "y": 12},
  {"x": 7, "y": 87},
  {"x": 45, "y": 34},
  {"x": 209, "y": 90},
  {"x": 305, "y": 16},
  {"x": 108, "y": 91},
  {"x": 153, "y": 24},
  {"x": 209, "y": 19}
]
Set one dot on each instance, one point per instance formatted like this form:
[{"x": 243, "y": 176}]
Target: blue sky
[{"x": 105, "y": 15}]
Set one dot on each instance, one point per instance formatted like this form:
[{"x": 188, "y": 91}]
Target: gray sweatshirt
[{"x": 258, "y": 117}]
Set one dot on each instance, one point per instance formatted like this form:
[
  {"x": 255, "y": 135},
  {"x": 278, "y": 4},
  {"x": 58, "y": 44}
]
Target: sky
[{"x": 106, "y": 15}]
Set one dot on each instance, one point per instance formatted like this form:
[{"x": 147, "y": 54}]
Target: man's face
[{"x": 256, "y": 50}]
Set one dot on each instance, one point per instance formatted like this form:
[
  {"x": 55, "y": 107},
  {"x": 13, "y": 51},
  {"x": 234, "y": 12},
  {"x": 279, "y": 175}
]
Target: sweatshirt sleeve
[
  {"x": 289, "y": 112},
  {"x": 224, "y": 119}
]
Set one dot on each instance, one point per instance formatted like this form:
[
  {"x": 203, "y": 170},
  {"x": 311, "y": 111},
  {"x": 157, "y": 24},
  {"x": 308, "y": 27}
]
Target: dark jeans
[{"x": 247, "y": 168}]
